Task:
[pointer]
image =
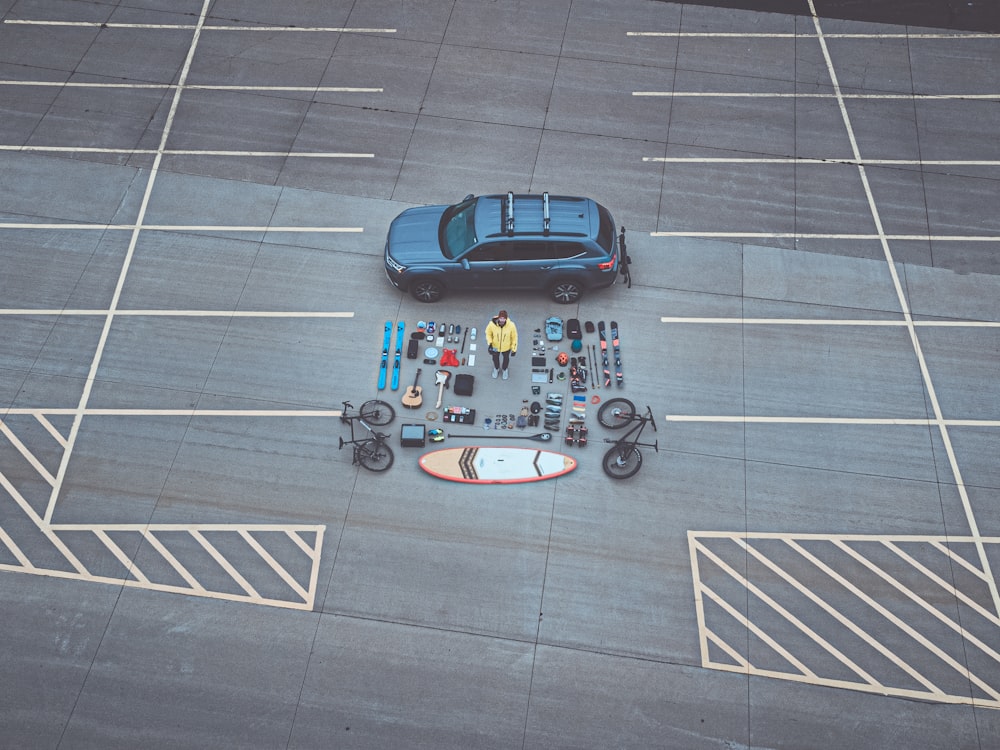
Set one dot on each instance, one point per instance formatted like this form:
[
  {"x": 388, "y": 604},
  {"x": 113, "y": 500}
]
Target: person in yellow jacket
[{"x": 501, "y": 337}]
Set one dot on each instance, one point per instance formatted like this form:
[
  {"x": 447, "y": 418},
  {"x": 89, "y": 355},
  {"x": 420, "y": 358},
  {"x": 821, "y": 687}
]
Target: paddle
[{"x": 541, "y": 436}]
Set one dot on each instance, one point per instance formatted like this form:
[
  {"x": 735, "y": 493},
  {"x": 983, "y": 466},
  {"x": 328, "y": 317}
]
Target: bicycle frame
[
  {"x": 641, "y": 421},
  {"x": 624, "y": 459},
  {"x": 372, "y": 452},
  {"x": 350, "y": 420}
]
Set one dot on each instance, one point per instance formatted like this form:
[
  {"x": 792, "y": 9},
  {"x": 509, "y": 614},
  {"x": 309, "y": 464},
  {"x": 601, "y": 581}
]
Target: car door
[
  {"x": 572, "y": 259},
  {"x": 484, "y": 266},
  {"x": 530, "y": 264}
]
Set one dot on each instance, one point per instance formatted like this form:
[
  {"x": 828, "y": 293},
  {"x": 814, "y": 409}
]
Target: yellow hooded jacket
[{"x": 502, "y": 338}]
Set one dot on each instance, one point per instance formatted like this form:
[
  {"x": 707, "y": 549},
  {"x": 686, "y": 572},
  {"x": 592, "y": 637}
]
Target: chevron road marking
[
  {"x": 844, "y": 618},
  {"x": 251, "y": 551}
]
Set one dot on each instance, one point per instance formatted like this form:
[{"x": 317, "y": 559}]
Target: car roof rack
[{"x": 507, "y": 214}]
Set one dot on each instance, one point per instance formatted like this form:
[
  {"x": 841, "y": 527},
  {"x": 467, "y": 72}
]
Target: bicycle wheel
[
  {"x": 616, "y": 413},
  {"x": 377, "y": 412},
  {"x": 375, "y": 455},
  {"x": 621, "y": 464}
]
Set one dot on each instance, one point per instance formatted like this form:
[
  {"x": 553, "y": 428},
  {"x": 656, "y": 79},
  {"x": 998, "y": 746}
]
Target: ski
[
  {"x": 602, "y": 331},
  {"x": 619, "y": 378},
  {"x": 399, "y": 354},
  {"x": 384, "y": 364}
]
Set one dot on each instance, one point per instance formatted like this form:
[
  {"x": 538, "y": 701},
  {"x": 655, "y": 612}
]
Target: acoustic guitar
[{"x": 414, "y": 394}]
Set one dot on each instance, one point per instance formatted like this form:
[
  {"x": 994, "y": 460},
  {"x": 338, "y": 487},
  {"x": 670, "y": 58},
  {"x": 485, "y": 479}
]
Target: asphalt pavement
[{"x": 194, "y": 198}]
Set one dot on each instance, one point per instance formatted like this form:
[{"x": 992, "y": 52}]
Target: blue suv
[{"x": 560, "y": 244}]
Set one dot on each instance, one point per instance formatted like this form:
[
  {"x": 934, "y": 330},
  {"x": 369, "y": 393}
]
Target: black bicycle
[
  {"x": 372, "y": 452},
  {"x": 624, "y": 459}
]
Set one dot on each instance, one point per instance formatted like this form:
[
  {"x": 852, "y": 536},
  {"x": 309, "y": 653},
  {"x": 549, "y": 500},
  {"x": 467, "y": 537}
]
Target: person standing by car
[{"x": 501, "y": 337}]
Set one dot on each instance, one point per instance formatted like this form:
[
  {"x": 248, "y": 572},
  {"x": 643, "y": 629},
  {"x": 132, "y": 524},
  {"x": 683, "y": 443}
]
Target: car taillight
[{"x": 607, "y": 266}]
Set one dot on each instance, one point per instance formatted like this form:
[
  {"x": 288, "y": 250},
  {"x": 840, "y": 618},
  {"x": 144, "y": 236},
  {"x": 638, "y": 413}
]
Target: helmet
[
  {"x": 562, "y": 358},
  {"x": 577, "y": 345},
  {"x": 436, "y": 435}
]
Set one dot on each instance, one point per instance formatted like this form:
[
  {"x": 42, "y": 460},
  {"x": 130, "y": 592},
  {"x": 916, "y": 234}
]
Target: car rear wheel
[
  {"x": 427, "y": 290},
  {"x": 566, "y": 292}
]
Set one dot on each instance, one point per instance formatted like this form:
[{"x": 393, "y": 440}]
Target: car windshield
[{"x": 458, "y": 228}]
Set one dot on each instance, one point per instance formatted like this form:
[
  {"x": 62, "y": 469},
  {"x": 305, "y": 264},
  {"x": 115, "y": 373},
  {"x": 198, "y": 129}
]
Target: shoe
[
  {"x": 496, "y": 372},
  {"x": 504, "y": 375}
]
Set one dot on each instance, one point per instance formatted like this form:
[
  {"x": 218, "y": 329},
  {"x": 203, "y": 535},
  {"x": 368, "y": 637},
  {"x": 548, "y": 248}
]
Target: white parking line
[
  {"x": 180, "y": 228},
  {"x": 779, "y": 35},
  {"x": 120, "y": 555},
  {"x": 806, "y": 160},
  {"x": 43, "y": 527},
  {"x": 192, "y": 87},
  {"x": 832, "y": 236},
  {"x": 223, "y": 563},
  {"x": 167, "y": 555},
  {"x": 15, "y": 550},
  {"x": 51, "y": 429},
  {"x": 177, "y": 313},
  {"x": 185, "y": 152},
  {"x": 905, "y": 307},
  {"x": 809, "y": 95},
  {"x": 831, "y": 322},
  {"x": 26, "y": 454},
  {"x": 90, "y": 412},
  {"x": 884, "y": 421},
  {"x": 126, "y": 263},
  {"x": 274, "y": 564},
  {"x": 199, "y": 27}
]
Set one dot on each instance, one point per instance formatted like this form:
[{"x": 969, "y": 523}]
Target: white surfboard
[{"x": 492, "y": 465}]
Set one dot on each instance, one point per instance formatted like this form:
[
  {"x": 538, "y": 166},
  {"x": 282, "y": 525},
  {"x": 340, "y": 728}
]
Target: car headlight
[{"x": 391, "y": 262}]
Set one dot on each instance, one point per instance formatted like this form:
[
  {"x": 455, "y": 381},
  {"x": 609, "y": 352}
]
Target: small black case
[{"x": 463, "y": 384}]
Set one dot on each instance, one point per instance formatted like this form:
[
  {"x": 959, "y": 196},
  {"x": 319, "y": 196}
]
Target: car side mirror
[
  {"x": 465, "y": 263},
  {"x": 469, "y": 197}
]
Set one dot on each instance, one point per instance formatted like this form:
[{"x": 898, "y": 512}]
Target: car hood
[{"x": 413, "y": 235}]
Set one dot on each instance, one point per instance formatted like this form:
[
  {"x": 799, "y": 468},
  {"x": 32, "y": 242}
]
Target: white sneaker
[
  {"x": 497, "y": 372},
  {"x": 504, "y": 374}
]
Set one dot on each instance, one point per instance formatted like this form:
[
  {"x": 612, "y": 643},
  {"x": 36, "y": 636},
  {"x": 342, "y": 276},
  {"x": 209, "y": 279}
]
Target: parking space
[{"x": 193, "y": 207}]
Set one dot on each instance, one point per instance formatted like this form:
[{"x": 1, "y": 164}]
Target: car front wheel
[
  {"x": 566, "y": 292},
  {"x": 427, "y": 290}
]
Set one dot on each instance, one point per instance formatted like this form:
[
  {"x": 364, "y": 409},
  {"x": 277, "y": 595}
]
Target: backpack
[{"x": 554, "y": 328}]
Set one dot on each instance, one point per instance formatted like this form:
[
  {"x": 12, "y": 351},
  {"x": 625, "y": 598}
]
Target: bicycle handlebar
[{"x": 649, "y": 416}]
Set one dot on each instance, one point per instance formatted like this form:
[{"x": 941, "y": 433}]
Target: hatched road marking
[
  {"x": 270, "y": 564},
  {"x": 822, "y": 605},
  {"x": 909, "y": 616}
]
